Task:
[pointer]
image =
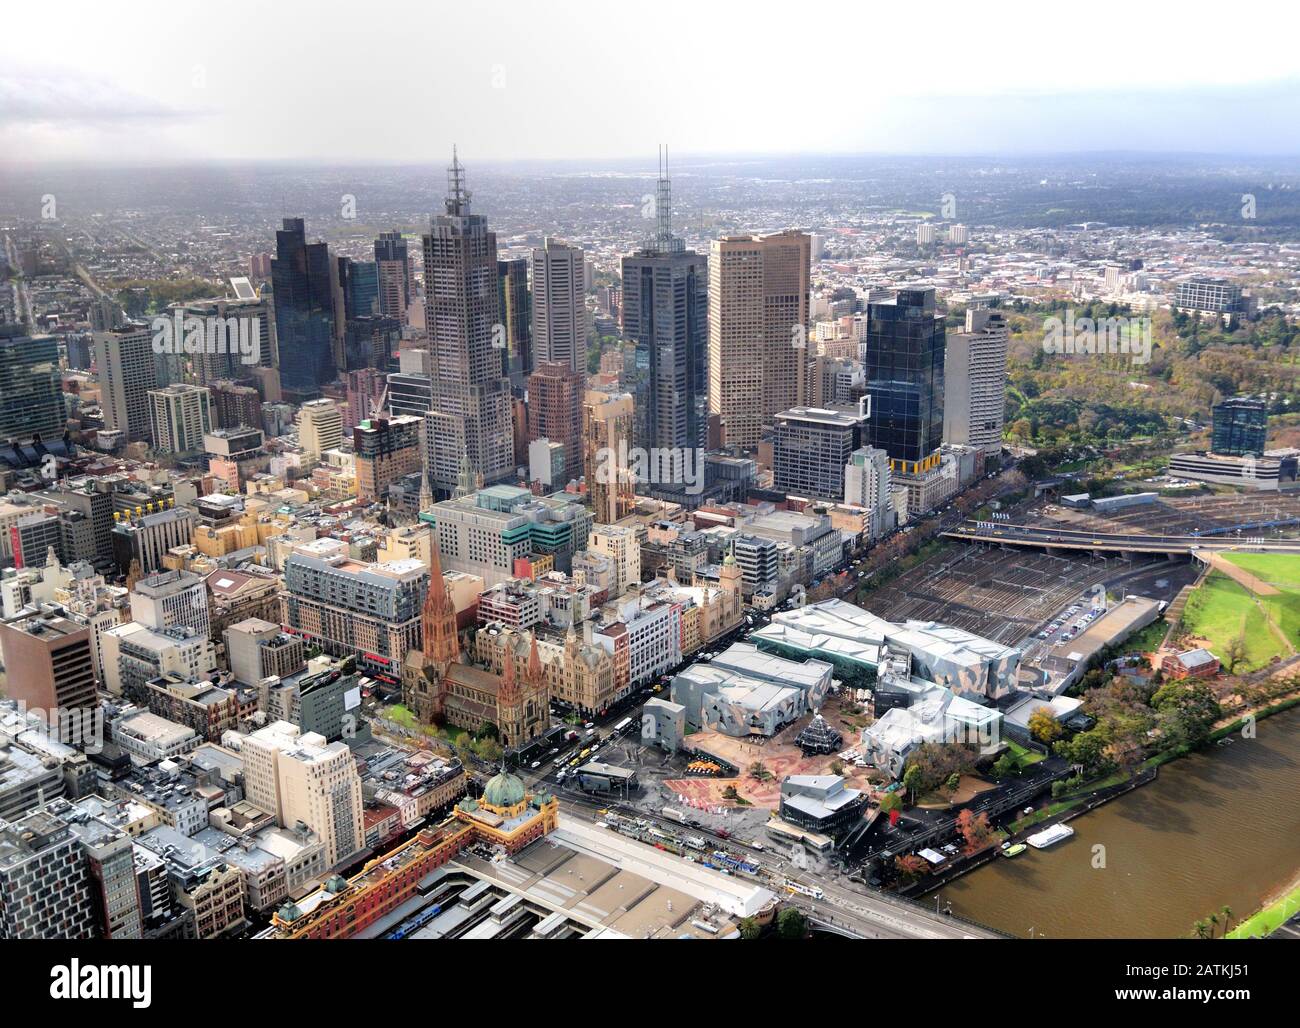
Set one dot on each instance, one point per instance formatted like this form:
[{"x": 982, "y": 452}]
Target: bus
[{"x": 622, "y": 726}]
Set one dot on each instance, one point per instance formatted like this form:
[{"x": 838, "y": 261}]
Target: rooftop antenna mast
[
  {"x": 664, "y": 202},
  {"x": 457, "y": 195}
]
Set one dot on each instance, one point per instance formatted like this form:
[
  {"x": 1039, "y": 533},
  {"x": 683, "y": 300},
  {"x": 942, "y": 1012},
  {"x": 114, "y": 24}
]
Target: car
[
  {"x": 535, "y": 764},
  {"x": 589, "y": 725}
]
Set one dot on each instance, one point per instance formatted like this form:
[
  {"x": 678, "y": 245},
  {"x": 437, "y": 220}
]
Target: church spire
[
  {"x": 438, "y": 616},
  {"x": 509, "y": 692},
  {"x": 534, "y": 662}
]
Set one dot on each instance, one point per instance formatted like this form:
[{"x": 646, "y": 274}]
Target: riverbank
[
  {"x": 1276, "y": 912},
  {"x": 1151, "y": 869}
]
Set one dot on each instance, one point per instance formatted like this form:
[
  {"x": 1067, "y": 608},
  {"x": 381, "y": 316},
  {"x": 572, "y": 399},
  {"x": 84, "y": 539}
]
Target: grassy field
[
  {"x": 1222, "y": 610},
  {"x": 1269, "y": 919}
]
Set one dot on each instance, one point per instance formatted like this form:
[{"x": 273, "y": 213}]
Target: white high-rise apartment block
[
  {"x": 958, "y": 235},
  {"x": 924, "y": 234},
  {"x": 619, "y": 544},
  {"x": 128, "y": 370},
  {"x": 171, "y": 598},
  {"x": 758, "y": 331},
  {"x": 559, "y": 305},
  {"x": 320, "y": 428},
  {"x": 867, "y": 484},
  {"x": 300, "y": 777},
  {"x": 975, "y": 382},
  {"x": 181, "y": 415}
]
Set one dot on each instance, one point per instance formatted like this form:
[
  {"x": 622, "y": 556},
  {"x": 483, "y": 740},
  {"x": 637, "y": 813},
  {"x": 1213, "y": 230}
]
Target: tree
[
  {"x": 749, "y": 928},
  {"x": 974, "y": 829},
  {"x": 1088, "y": 750},
  {"x": 791, "y": 923},
  {"x": 890, "y": 801},
  {"x": 837, "y": 766},
  {"x": 1234, "y": 652},
  {"x": 1043, "y": 726},
  {"x": 1186, "y": 713},
  {"x": 913, "y": 778},
  {"x": 911, "y": 866},
  {"x": 954, "y": 782},
  {"x": 759, "y": 772}
]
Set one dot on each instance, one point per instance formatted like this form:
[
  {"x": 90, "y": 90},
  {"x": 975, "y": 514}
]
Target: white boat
[{"x": 1050, "y": 836}]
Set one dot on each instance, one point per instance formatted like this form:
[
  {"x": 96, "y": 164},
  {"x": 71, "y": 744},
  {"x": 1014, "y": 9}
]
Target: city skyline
[{"x": 426, "y": 514}]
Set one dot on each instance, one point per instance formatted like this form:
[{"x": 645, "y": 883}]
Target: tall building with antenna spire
[
  {"x": 471, "y": 414},
  {"x": 665, "y": 312}
]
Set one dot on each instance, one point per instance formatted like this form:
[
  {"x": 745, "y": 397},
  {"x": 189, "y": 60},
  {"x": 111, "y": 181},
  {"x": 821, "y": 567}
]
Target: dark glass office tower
[
  {"x": 396, "y": 275},
  {"x": 665, "y": 312},
  {"x": 904, "y": 365},
  {"x": 369, "y": 338},
  {"x": 31, "y": 399},
  {"x": 304, "y": 312},
  {"x": 517, "y": 317},
  {"x": 361, "y": 287},
  {"x": 1240, "y": 427}
]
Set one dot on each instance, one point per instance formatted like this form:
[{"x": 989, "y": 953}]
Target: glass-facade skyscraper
[
  {"x": 1240, "y": 427},
  {"x": 904, "y": 366},
  {"x": 31, "y": 397},
  {"x": 517, "y": 317},
  {"x": 666, "y": 313},
  {"x": 304, "y": 312}
]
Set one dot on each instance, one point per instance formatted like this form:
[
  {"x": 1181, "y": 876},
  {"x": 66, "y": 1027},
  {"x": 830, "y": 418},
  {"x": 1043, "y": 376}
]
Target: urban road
[{"x": 849, "y": 909}]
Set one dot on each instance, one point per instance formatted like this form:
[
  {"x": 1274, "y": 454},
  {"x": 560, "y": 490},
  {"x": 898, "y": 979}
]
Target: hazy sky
[{"x": 382, "y": 80}]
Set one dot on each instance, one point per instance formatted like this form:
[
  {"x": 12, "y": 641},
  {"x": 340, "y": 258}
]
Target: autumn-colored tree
[
  {"x": 974, "y": 829},
  {"x": 1043, "y": 726},
  {"x": 911, "y": 866}
]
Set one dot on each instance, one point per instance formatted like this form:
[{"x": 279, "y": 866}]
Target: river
[{"x": 1218, "y": 828}]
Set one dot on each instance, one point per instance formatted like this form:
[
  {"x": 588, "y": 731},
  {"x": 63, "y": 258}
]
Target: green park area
[
  {"x": 1245, "y": 626},
  {"x": 1269, "y": 919}
]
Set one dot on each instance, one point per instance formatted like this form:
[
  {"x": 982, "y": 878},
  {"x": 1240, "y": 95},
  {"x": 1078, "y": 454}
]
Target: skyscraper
[
  {"x": 1240, "y": 427},
  {"x": 180, "y": 414},
  {"x": 758, "y": 331},
  {"x": 471, "y": 420},
  {"x": 304, "y": 312},
  {"x": 320, "y": 427},
  {"x": 810, "y": 448},
  {"x": 607, "y": 425},
  {"x": 517, "y": 318},
  {"x": 50, "y": 668},
  {"x": 665, "y": 313},
  {"x": 975, "y": 382},
  {"x": 555, "y": 411},
  {"x": 396, "y": 275},
  {"x": 904, "y": 364},
  {"x": 124, "y": 360},
  {"x": 31, "y": 399},
  {"x": 559, "y": 305}
]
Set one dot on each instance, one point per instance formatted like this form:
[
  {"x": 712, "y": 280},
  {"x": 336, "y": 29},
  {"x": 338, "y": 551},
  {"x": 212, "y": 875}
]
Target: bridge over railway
[{"x": 1054, "y": 538}]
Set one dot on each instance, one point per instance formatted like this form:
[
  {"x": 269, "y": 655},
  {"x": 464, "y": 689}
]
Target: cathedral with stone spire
[{"x": 441, "y": 686}]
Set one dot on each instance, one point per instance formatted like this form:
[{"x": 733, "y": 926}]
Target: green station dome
[{"x": 504, "y": 790}]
